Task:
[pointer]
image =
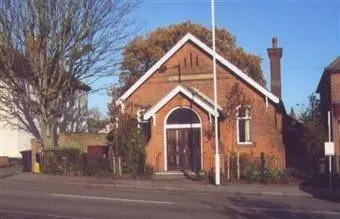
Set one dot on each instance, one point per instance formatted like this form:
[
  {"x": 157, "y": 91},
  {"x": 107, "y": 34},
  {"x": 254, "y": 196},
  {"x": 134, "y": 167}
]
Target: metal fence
[
  {"x": 238, "y": 166},
  {"x": 234, "y": 166}
]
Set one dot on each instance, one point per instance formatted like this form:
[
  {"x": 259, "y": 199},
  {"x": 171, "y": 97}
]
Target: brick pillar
[{"x": 36, "y": 147}]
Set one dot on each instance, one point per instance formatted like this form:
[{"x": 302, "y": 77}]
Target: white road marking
[
  {"x": 112, "y": 199},
  {"x": 283, "y": 210},
  {"x": 41, "y": 214}
]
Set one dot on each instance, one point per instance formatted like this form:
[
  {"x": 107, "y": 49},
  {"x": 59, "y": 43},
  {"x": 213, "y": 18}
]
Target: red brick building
[
  {"x": 329, "y": 90},
  {"x": 174, "y": 97}
]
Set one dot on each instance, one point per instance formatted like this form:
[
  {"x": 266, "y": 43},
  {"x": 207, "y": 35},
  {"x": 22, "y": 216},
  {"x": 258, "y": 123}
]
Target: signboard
[{"x": 329, "y": 149}]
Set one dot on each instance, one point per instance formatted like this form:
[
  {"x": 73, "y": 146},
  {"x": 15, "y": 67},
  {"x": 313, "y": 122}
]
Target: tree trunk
[{"x": 48, "y": 134}]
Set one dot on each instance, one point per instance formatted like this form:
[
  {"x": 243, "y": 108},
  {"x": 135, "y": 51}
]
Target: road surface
[{"x": 28, "y": 200}]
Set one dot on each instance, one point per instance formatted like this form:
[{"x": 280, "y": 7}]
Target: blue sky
[{"x": 308, "y": 31}]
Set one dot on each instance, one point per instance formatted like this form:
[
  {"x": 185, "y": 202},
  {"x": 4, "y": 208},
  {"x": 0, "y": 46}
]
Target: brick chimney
[{"x": 275, "y": 55}]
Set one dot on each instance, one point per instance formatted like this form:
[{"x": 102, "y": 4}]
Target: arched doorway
[{"x": 183, "y": 140}]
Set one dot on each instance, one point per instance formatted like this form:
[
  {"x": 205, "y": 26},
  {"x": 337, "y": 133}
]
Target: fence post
[
  {"x": 228, "y": 165},
  {"x": 238, "y": 165},
  {"x": 262, "y": 161}
]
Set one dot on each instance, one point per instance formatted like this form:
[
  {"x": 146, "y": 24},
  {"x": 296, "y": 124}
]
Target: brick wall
[
  {"x": 190, "y": 60},
  {"x": 329, "y": 90},
  {"x": 4, "y": 161},
  {"x": 156, "y": 147},
  {"x": 335, "y": 98},
  {"x": 36, "y": 147},
  {"x": 81, "y": 140}
]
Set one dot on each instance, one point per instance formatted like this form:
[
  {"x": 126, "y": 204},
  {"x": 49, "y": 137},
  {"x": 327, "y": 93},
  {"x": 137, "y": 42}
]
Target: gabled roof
[
  {"x": 334, "y": 67},
  {"x": 206, "y": 104},
  {"x": 223, "y": 61}
]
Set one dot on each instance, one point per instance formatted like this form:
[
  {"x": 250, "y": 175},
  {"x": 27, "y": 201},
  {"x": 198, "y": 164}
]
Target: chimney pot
[{"x": 275, "y": 42}]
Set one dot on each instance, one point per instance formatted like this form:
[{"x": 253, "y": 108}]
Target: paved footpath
[
  {"x": 173, "y": 185},
  {"x": 9, "y": 171}
]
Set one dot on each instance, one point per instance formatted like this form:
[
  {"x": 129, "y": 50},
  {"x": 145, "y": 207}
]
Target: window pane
[
  {"x": 244, "y": 111},
  {"x": 241, "y": 112},
  {"x": 241, "y": 130},
  {"x": 248, "y": 130},
  {"x": 244, "y": 132},
  {"x": 183, "y": 116},
  {"x": 248, "y": 112}
]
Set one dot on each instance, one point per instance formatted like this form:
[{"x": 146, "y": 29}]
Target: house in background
[
  {"x": 329, "y": 90},
  {"x": 13, "y": 140},
  {"x": 175, "y": 97}
]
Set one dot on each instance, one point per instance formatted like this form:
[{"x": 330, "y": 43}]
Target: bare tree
[{"x": 47, "y": 47}]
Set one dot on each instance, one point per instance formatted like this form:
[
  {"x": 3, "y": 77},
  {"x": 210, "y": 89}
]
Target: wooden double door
[{"x": 184, "y": 149}]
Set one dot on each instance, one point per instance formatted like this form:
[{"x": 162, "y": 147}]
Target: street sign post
[{"x": 329, "y": 151}]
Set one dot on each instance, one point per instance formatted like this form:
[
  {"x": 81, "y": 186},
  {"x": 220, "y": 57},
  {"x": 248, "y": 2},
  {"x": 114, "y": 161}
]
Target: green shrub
[
  {"x": 211, "y": 176},
  {"x": 97, "y": 166},
  {"x": 61, "y": 161},
  {"x": 250, "y": 169},
  {"x": 276, "y": 175},
  {"x": 72, "y": 161},
  {"x": 129, "y": 142},
  {"x": 147, "y": 173},
  {"x": 252, "y": 173}
]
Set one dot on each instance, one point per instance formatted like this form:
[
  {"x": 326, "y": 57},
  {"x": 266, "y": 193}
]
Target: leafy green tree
[
  {"x": 144, "y": 51},
  {"x": 129, "y": 142},
  {"x": 314, "y": 130}
]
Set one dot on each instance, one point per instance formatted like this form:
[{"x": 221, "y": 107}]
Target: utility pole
[
  {"x": 330, "y": 155},
  {"x": 217, "y": 155}
]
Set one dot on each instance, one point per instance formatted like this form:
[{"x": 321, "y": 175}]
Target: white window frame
[{"x": 248, "y": 116}]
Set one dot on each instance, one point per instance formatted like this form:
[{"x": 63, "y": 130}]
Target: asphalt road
[{"x": 27, "y": 200}]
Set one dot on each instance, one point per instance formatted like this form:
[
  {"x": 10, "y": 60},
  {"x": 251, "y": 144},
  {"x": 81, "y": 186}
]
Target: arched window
[
  {"x": 244, "y": 128},
  {"x": 183, "y": 116}
]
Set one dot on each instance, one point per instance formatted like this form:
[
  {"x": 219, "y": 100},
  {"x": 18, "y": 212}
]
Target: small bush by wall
[
  {"x": 267, "y": 168},
  {"x": 72, "y": 161},
  {"x": 75, "y": 162}
]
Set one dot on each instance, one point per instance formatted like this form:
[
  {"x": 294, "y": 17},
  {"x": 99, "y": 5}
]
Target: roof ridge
[{"x": 207, "y": 49}]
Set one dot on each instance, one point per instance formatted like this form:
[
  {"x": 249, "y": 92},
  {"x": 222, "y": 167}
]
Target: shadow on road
[
  {"x": 318, "y": 187},
  {"x": 245, "y": 208}
]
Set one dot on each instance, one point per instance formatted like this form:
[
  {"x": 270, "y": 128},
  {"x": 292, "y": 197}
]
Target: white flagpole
[{"x": 217, "y": 155}]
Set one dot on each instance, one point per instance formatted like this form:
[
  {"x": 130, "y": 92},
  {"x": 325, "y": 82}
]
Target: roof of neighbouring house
[
  {"x": 201, "y": 100},
  {"x": 333, "y": 67},
  {"x": 204, "y": 47}
]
